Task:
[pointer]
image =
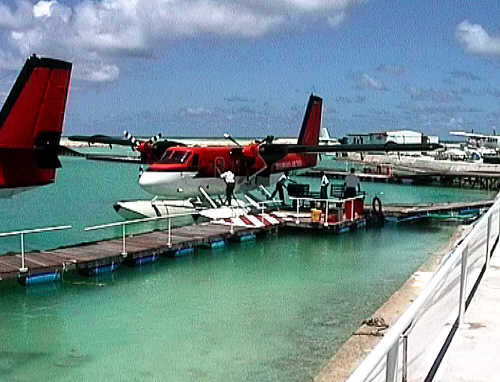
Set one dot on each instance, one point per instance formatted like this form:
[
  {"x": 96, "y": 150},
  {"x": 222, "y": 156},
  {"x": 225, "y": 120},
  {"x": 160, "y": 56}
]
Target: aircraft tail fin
[
  {"x": 309, "y": 133},
  {"x": 324, "y": 134},
  {"x": 33, "y": 113}
]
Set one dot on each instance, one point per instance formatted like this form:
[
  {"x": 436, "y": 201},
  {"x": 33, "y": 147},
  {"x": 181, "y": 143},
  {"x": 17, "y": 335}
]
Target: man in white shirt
[
  {"x": 228, "y": 177},
  {"x": 351, "y": 185},
  {"x": 324, "y": 186}
]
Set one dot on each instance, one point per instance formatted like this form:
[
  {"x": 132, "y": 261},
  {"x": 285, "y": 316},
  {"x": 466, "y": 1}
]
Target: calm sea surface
[{"x": 273, "y": 310}]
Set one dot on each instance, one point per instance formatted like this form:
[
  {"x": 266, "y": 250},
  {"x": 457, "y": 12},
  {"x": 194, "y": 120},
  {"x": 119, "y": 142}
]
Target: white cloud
[
  {"x": 365, "y": 82},
  {"x": 42, "y": 8},
  {"x": 98, "y": 31},
  {"x": 335, "y": 21},
  {"x": 475, "y": 39},
  {"x": 194, "y": 111},
  {"x": 15, "y": 17}
]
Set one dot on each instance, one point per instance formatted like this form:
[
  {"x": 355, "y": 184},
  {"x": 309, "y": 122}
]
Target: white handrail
[
  {"x": 124, "y": 223},
  {"x": 23, "y": 268},
  {"x": 392, "y": 337},
  {"x": 36, "y": 230},
  {"x": 142, "y": 220}
]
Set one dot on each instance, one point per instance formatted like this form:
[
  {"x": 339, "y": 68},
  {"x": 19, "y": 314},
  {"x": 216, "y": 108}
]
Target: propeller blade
[
  {"x": 227, "y": 136},
  {"x": 130, "y": 138},
  {"x": 155, "y": 138}
]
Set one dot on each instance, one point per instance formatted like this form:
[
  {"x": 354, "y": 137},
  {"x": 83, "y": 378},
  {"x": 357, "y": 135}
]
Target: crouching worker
[
  {"x": 280, "y": 187},
  {"x": 228, "y": 177}
]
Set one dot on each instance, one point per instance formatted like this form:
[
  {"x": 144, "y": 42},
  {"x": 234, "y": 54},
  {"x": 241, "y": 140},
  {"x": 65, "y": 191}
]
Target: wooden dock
[
  {"x": 87, "y": 258},
  {"x": 405, "y": 211},
  {"x": 461, "y": 179},
  {"x": 107, "y": 255}
]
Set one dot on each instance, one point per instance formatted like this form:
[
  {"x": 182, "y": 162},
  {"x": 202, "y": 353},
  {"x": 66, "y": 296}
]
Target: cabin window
[{"x": 179, "y": 156}]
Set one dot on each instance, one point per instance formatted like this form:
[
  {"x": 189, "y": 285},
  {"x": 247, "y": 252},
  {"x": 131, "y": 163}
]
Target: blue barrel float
[
  {"x": 184, "y": 251},
  {"x": 40, "y": 278},
  {"x": 143, "y": 260},
  {"x": 100, "y": 269},
  {"x": 220, "y": 243},
  {"x": 247, "y": 237}
]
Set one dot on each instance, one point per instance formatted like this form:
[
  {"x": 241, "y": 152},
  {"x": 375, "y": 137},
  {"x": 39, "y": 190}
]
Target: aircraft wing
[
  {"x": 66, "y": 151},
  {"x": 342, "y": 148},
  {"x": 115, "y": 158},
  {"x": 469, "y": 135},
  {"x": 99, "y": 138}
]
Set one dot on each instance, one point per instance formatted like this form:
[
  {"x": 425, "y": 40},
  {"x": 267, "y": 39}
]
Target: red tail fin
[
  {"x": 34, "y": 110},
  {"x": 31, "y": 123},
  {"x": 309, "y": 133}
]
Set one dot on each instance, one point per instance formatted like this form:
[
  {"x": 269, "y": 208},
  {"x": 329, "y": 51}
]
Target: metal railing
[
  {"x": 428, "y": 321},
  {"x": 23, "y": 268},
  {"x": 326, "y": 202},
  {"x": 124, "y": 223}
]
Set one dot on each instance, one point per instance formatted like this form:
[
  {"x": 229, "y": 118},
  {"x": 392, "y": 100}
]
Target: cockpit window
[{"x": 177, "y": 156}]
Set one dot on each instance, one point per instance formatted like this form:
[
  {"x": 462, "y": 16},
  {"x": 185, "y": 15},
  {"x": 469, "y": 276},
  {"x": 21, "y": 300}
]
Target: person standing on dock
[
  {"x": 323, "y": 193},
  {"x": 228, "y": 177},
  {"x": 351, "y": 185},
  {"x": 280, "y": 186}
]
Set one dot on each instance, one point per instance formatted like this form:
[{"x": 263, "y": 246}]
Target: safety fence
[
  {"x": 25, "y": 232},
  {"x": 125, "y": 223},
  {"x": 410, "y": 348}
]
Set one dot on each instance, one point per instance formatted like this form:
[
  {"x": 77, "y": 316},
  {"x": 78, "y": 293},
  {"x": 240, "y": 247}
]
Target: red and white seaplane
[
  {"x": 185, "y": 178},
  {"x": 31, "y": 122}
]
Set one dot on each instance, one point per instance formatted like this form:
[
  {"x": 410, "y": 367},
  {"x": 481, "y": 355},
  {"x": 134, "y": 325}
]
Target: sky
[{"x": 247, "y": 67}]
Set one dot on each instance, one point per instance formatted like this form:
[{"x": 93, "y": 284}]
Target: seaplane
[
  {"x": 480, "y": 140},
  {"x": 481, "y": 147},
  {"x": 31, "y": 121},
  {"x": 188, "y": 178}
]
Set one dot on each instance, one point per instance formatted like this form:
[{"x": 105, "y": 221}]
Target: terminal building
[{"x": 396, "y": 136}]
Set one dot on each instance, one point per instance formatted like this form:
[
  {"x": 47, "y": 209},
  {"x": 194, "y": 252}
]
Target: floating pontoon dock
[{"x": 137, "y": 249}]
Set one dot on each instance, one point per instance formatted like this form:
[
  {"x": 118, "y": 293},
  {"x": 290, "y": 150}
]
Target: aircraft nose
[{"x": 158, "y": 183}]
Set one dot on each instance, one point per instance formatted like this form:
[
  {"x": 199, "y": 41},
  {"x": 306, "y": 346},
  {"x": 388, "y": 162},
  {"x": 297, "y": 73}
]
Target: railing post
[
  {"x": 326, "y": 214},
  {"x": 488, "y": 233},
  {"x": 352, "y": 209},
  {"x": 463, "y": 286},
  {"x": 169, "y": 242},
  {"x": 124, "y": 249},
  {"x": 392, "y": 363},
  {"x": 231, "y": 228},
  {"x": 297, "y": 220},
  {"x": 498, "y": 236},
  {"x": 23, "y": 269},
  {"x": 404, "y": 371}
]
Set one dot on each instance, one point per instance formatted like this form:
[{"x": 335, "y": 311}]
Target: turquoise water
[{"x": 273, "y": 310}]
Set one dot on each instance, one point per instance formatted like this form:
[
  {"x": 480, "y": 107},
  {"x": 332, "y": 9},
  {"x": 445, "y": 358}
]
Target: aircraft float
[
  {"x": 31, "y": 122},
  {"x": 185, "y": 178}
]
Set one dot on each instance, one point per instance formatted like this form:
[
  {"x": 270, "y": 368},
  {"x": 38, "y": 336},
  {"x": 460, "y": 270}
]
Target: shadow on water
[{"x": 11, "y": 361}]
